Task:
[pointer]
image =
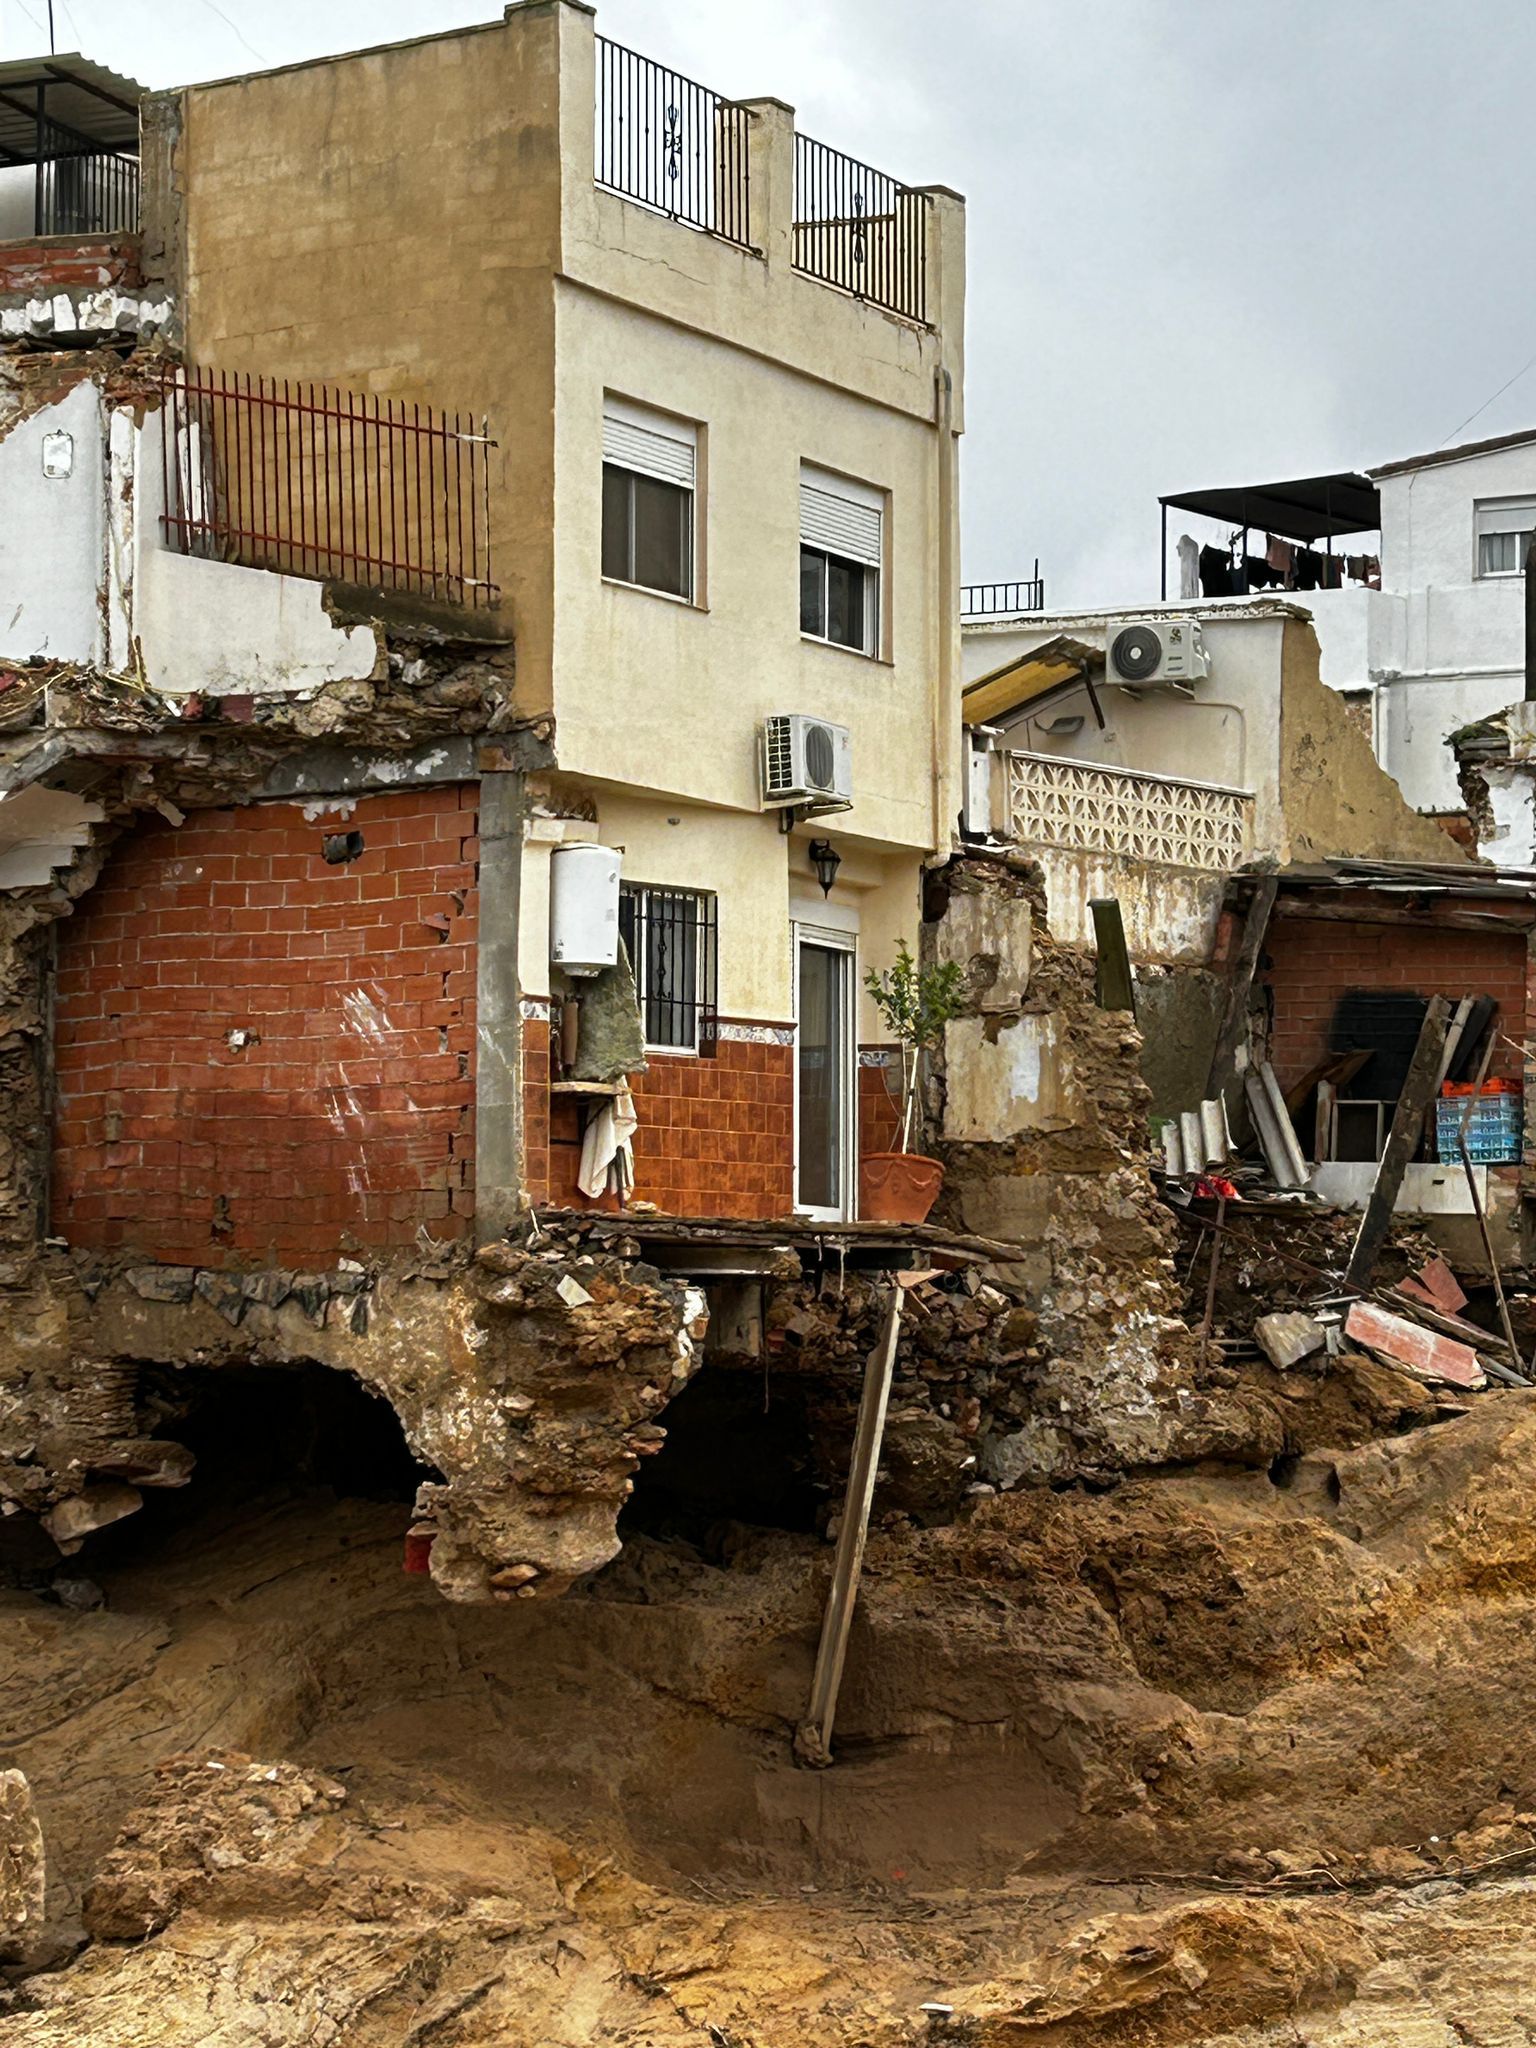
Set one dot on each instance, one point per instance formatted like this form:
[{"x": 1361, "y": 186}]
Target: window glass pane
[
  {"x": 1497, "y": 553},
  {"x": 669, "y": 936},
  {"x": 821, "y": 1057},
  {"x": 662, "y": 513},
  {"x": 846, "y": 593},
  {"x": 813, "y": 592},
  {"x": 616, "y": 523},
  {"x": 672, "y": 962}
]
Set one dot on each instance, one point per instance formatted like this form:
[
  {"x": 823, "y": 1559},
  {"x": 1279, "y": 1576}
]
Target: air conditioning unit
[
  {"x": 807, "y": 761},
  {"x": 1163, "y": 653}
]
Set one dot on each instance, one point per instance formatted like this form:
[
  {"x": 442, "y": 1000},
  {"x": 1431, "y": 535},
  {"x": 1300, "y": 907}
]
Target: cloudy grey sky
[{"x": 1211, "y": 241}]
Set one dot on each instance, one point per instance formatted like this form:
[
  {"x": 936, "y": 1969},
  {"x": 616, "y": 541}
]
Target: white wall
[
  {"x": 1227, "y": 731},
  {"x": 1449, "y": 647},
  {"x": 52, "y": 533}
]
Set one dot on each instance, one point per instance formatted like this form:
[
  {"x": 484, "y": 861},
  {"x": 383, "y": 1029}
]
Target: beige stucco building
[{"x": 618, "y": 272}]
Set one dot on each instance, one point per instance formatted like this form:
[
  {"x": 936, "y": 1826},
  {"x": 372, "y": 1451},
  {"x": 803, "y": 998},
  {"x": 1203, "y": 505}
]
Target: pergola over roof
[
  {"x": 95, "y": 107},
  {"x": 1309, "y": 508}
]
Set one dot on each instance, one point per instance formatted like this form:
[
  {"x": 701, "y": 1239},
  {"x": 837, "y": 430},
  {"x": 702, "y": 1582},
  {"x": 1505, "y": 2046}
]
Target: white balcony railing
[{"x": 1080, "y": 804}]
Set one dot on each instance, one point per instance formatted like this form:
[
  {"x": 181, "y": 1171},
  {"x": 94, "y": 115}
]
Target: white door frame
[{"x": 832, "y": 940}]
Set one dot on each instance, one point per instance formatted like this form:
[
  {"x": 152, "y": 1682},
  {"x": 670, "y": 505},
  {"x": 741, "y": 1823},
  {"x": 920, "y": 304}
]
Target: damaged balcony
[
  {"x": 211, "y": 535},
  {"x": 379, "y": 495},
  {"x": 69, "y": 199}
]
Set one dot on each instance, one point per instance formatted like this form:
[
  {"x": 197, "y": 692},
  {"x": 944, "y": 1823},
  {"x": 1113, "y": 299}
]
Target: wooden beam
[
  {"x": 1434, "y": 913},
  {"x": 813, "y": 1738},
  {"x": 1113, "y": 988},
  {"x": 1402, "y": 1142},
  {"x": 1234, "y": 1017}
]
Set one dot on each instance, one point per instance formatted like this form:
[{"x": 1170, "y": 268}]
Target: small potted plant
[{"x": 915, "y": 1003}]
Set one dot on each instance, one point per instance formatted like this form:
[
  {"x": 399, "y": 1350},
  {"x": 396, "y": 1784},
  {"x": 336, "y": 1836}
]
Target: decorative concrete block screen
[{"x": 1113, "y": 810}]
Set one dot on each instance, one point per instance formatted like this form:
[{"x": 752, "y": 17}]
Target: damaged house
[
  {"x": 350, "y": 641},
  {"x": 1289, "y": 900}
]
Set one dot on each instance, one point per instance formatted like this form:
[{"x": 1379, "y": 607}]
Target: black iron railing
[
  {"x": 671, "y": 936},
  {"x": 671, "y": 144},
  {"x": 1000, "y": 600},
  {"x": 329, "y": 484},
  {"x": 858, "y": 229},
  {"x": 83, "y": 191}
]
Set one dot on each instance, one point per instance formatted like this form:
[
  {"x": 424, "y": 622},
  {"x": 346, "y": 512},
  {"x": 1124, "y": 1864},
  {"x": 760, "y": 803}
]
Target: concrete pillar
[
  {"x": 499, "y": 1018},
  {"x": 771, "y": 178}
]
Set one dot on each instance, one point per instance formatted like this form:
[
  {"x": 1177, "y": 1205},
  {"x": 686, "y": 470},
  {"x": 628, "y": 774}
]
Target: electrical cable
[{"x": 1531, "y": 364}]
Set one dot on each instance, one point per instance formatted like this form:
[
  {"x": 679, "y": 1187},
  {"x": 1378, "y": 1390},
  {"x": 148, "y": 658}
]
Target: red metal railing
[{"x": 329, "y": 484}]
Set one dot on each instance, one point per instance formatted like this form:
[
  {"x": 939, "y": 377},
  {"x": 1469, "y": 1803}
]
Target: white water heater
[{"x": 583, "y": 908}]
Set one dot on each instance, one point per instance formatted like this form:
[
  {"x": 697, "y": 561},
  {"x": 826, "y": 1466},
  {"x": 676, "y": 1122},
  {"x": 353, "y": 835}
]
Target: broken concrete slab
[
  {"x": 69, "y": 1522},
  {"x": 146, "y": 1461},
  {"x": 1437, "y": 1287},
  {"x": 224, "y": 1293},
  {"x": 1424, "y": 1353},
  {"x": 163, "y": 1283},
  {"x": 1288, "y": 1337}
]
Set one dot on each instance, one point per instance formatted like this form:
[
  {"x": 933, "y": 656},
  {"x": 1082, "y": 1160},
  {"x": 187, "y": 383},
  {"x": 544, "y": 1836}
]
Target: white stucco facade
[{"x": 86, "y": 577}]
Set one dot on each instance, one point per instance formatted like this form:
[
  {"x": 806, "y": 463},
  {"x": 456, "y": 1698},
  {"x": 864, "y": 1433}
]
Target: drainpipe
[
  {"x": 944, "y": 690},
  {"x": 1530, "y": 624}
]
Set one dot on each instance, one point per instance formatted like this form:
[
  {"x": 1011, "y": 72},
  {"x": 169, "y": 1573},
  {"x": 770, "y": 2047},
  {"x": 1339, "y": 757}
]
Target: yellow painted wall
[
  {"x": 674, "y": 695},
  {"x": 389, "y": 222}
]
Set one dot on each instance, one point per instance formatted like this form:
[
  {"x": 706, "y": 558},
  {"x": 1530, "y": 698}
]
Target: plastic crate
[{"x": 1495, "y": 1125}]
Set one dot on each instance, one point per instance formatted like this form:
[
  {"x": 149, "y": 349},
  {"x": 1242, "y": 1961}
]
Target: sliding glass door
[{"x": 824, "y": 1073}]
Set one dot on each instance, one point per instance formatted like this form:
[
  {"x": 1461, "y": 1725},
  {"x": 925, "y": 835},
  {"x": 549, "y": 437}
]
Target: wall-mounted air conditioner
[
  {"x": 1166, "y": 653},
  {"x": 806, "y": 761}
]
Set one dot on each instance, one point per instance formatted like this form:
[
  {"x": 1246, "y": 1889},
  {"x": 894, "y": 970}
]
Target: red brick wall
[
  {"x": 348, "y": 1120},
  {"x": 56, "y": 263},
  {"x": 1314, "y": 961}
]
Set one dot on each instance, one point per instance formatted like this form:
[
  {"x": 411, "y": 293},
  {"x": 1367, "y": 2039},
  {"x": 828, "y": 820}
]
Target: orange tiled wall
[
  {"x": 879, "y": 1098},
  {"x": 716, "y": 1136}
]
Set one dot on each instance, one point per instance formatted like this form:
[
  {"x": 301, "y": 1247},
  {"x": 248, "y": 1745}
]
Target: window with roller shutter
[
  {"x": 842, "y": 543},
  {"x": 650, "y": 463}
]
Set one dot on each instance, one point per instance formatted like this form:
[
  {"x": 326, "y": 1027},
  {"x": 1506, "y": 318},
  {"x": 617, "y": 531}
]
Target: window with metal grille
[
  {"x": 671, "y": 938},
  {"x": 649, "y": 468}
]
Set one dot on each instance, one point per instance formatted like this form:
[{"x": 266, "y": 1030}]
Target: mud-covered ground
[{"x": 1216, "y": 1755}]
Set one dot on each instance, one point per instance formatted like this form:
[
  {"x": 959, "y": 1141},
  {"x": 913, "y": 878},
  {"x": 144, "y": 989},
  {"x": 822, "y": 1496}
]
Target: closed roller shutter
[
  {"x": 650, "y": 445},
  {"x": 845, "y": 519}
]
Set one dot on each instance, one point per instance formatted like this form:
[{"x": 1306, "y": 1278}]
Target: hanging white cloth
[
  {"x": 1189, "y": 567},
  {"x": 606, "y": 1144}
]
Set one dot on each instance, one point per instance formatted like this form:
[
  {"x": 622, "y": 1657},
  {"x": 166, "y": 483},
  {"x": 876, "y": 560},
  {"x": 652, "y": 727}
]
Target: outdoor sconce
[{"x": 826, "y": 860}]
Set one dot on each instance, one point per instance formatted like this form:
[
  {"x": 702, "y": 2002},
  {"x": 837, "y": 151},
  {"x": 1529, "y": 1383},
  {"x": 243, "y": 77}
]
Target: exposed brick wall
[
  {"x": 1315, "y": 961},
  {"x": 347, "y": 1121},
  {"x": 56, "y": 263}
]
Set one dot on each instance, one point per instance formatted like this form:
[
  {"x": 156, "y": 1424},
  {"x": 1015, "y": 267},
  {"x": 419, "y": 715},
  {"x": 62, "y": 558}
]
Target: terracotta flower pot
[{"x": 898, "y": 1187}]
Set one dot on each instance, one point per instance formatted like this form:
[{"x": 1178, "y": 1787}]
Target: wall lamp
[{"x": 826, "y": 860}]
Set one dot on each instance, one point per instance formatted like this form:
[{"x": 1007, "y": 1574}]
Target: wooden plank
[
  {"x": 1113, "y": 988},
  {"x": 1336, "y": 1069},
  {"x": 1233, "y": 1028},
  {"x": 1402, "y": 1142},
  {"x": 813, "y": 1738}
]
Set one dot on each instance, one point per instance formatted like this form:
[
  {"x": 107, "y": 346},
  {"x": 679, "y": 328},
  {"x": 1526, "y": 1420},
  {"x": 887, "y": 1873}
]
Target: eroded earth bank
[{"x": 1189, "y": 1701}]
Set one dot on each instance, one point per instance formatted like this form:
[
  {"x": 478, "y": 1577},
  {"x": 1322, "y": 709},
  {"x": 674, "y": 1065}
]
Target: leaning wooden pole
[
  {"x": 1402, "y": 1142},
  {"x": 813, "y": 1738}
]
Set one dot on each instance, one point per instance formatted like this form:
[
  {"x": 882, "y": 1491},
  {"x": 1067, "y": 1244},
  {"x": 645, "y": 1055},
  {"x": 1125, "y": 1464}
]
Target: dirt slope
[{"x": 1087, "y": 1743}]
